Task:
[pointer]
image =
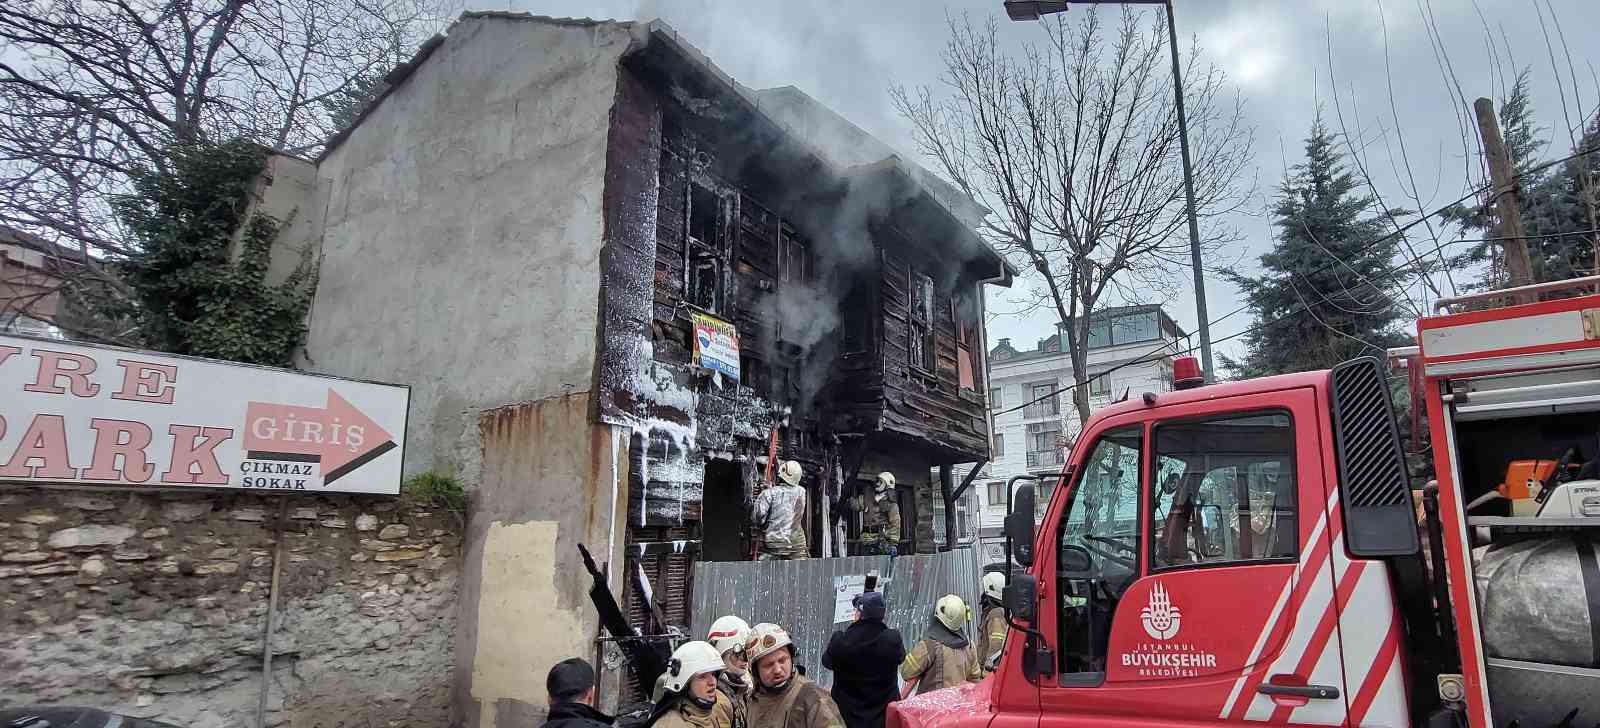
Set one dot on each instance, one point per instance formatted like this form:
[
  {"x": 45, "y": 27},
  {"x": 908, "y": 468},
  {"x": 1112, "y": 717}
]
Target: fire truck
[{"x": 1256, "y": 552}]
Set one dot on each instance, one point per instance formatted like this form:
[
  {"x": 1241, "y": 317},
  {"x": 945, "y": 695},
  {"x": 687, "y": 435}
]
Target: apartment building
[{"x": 1130, "y": 352}]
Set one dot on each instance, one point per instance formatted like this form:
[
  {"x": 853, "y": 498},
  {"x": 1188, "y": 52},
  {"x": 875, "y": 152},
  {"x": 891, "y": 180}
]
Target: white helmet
[
  {"x": 994, "y": 583},
  {"x": 952, "y": 612},
  {"x": 689, "y": 660},
  {"x": 790, "y": 472},
  {"x": 765, "y": 639},
  {"x": 729, "y": 633},
  {"x": 885, "y": 480}
]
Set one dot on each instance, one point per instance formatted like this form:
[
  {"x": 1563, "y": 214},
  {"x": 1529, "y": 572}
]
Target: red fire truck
[{"x": 1253, "y": 552}]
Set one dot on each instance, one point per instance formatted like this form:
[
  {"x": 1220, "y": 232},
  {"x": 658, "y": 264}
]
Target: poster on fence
[{"x": 845, "y": 589}]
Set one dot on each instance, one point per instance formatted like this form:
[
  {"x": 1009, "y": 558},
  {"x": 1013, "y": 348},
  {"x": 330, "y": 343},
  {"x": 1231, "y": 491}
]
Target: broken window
[
  {"x": 855, "y": 330},
  {"x": 794, "y": 259},
  {"x": 921, "y": 340},
  {"x": 703, "y": 209},
  {"x": 704, "y": 264}
]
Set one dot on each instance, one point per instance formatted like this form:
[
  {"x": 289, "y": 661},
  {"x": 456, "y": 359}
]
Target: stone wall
[{"x": 154, "y": 605}]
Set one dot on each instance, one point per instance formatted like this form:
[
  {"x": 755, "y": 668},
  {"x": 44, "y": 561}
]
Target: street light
[{"x": 1031, "y": 10}]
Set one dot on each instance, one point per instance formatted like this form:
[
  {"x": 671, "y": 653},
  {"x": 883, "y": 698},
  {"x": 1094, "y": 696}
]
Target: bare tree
[
  {"x": 1074, "y": 147},
  {"x": 93, "y": 89}
]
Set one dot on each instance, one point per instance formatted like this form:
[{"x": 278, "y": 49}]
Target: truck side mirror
[
  {"x": 1019, "y": 525},
  {"x": 1020, "y": 596},
  {"x": 1075, "y": 563}
]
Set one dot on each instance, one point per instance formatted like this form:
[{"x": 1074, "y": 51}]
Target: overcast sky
[{"x": 1276, "y": 53}]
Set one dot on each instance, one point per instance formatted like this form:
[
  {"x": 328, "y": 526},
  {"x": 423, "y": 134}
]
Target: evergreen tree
[{"x": 1327, "y": 292}]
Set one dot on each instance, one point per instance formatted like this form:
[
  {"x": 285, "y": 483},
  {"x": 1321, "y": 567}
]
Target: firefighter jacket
[
  {"x": 737, "y": 691},
  {"x": 992, "y": 638},
  {"x": 800, "y": 704},
  {"x": 685, "y": 714},
  {"x": 780, "y": 515},
  {"x": 942, "y": 659},
  {"x": 880, "y": 518}
]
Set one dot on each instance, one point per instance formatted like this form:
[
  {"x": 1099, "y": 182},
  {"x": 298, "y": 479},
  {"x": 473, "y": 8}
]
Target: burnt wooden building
[{"x": 856, "y": 293}]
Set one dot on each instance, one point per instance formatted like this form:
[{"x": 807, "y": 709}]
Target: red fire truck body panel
[{"x": 1215, "y": 638}]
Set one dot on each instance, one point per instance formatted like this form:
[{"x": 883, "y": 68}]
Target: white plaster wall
[{"x": 462, "y": 230}]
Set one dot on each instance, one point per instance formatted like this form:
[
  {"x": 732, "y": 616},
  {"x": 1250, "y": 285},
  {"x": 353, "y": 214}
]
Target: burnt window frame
[
  {"x": 703, "y": 259},
  {"x": 919, "y": 320}
]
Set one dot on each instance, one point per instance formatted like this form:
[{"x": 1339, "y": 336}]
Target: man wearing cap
[
  {"x": 571, "y": 689},
  {"x": 783, "y": 698},
  {"x": 864, "y": 659}
]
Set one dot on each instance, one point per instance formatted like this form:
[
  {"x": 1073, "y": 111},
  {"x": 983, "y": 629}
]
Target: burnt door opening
[{"x": 724, "y": 515}]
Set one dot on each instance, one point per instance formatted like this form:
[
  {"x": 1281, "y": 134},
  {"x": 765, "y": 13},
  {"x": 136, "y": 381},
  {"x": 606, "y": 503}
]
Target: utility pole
[
  {"x": 1188, "y": 200},
  {"x": 1513, "y": 239}
]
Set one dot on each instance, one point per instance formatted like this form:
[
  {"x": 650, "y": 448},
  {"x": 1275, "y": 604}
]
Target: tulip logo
[{"x": 1160, "y": 617}]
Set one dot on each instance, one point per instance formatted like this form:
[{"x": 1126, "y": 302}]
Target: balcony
[{"x": 1045, "y": 458}]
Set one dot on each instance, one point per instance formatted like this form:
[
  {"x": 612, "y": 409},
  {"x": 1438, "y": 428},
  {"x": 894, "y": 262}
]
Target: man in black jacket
[
  {"x": 571, "y": 688},
  {"x": 864, "y": 659}
]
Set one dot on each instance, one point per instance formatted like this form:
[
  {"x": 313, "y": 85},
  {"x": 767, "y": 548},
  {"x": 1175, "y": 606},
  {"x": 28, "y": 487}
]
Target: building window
[
  {"x": 999, "y": 445},
  {"x": 855, "y": 330},
  {"x": 704, "y": 284},
  {"x": 1044, "y": 445},
  {"x": 997, "y": 493},
  {"x": 994, "y": 398},
  {"x": 1099, "y": 386},
  {"x": 921, "y": 339},
  {"x": 1042, "y": 402}
]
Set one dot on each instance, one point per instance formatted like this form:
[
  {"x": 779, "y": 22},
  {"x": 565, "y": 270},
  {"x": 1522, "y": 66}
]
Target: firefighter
[
  {"x": 992, "y": 638},
  {"x": 780, "y": 513},
  {"x": 943, "y": 658},
  {"x": 728, "y": 635},
  {"x": 783, "y": 698},
  {"x": 880, "y": 518},
  {"x": 692, "y": 699}
]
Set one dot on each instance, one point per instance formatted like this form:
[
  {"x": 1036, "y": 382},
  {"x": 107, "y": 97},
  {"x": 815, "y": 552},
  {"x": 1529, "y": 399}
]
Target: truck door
[{"x": 1208, "y": 596}]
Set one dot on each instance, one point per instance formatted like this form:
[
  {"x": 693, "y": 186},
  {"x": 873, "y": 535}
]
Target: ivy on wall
[{"x": 198, "y": 279}]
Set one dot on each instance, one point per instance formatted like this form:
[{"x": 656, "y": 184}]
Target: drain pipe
[{"x": 272, "y": 612}]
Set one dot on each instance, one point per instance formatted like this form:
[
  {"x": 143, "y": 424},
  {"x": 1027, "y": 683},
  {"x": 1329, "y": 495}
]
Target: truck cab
[
  {"x": 1195, "y": 570},
  {"x": 1251, "y": 552}
]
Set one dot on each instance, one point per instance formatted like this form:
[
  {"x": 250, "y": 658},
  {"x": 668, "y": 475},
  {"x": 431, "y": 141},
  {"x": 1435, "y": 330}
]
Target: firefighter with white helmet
[
  {"x": 729, "y": 634},
  {"x": 992, "y": 637},
  {"x": 944, "y": 657},
  {"x": 779, "y": 514},
  {"x": 880, "y": 517},
  {"x": 782, "y": 698},
  {"x": 691, "y": 698}
]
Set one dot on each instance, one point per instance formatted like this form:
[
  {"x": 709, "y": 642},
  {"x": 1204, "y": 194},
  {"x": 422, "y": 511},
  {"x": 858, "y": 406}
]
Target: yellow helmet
[
  {"x": 790, "y": 472},
  {"x": 952, "y": 612}
]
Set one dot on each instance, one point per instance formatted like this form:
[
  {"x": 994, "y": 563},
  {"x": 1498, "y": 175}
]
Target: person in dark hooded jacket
[
  {"x": 864, "y": 658},
  {"x": 571, "y": 688}
]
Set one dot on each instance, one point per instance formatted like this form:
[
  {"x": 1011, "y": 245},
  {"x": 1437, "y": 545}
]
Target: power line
[{"x": 1160, "y": 351}]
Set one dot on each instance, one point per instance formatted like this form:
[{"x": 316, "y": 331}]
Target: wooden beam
[{"x": 967, "y": 482}]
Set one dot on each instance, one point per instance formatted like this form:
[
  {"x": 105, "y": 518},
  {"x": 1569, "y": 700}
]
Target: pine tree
[{"x": 1328, "y": 290}]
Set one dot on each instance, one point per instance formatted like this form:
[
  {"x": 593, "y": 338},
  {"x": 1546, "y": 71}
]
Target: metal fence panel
[{"x": 800, "y": 595}]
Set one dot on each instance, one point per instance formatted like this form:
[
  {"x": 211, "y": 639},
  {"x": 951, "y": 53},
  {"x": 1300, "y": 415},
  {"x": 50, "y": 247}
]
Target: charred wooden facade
[{"x": 856, "y": 294}]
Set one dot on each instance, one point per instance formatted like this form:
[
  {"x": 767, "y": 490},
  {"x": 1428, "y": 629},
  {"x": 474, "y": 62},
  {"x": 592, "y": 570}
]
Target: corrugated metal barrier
[{"x": 800, "y": 595}]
